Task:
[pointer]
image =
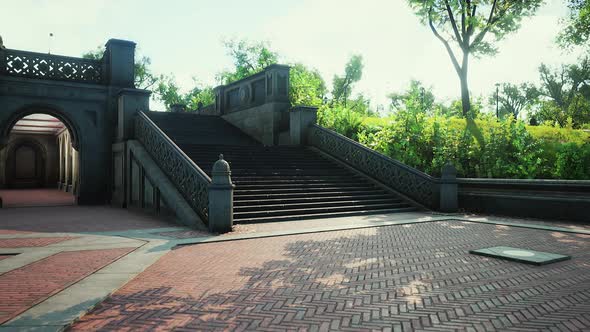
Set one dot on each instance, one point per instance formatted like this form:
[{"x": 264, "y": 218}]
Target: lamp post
[{"x": 497, "y": 100}]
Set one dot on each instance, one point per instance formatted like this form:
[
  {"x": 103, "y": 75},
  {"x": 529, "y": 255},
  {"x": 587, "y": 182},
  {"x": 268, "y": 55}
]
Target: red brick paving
[
  {"x": 22, "y": 288},
  {"x": 11, "y": 232},
  {"x": 412, "y": 277},
  {"x": 36, "y": 197},
  {"x": 73, "y": 219},
  {"x": 32, "y": 242}
]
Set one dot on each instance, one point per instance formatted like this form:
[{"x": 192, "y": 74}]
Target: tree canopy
[
  {"x": 576, "y": 25},
  {"x": 464, "y": 26}
]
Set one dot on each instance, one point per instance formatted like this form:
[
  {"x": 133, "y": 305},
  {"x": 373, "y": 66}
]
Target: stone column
[
  {"x": 74, "y": 171},
  {"x": 119, "y": 61},
  {"x": 300, "y": 118},
  {"x": 67, "y": 163},
  {"x": 61, "y": 162},
  {"x": 448, "y": 189},
  {"x": 221, "y": 198}
]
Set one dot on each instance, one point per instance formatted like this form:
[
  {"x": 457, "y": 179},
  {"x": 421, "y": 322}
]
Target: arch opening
[{"x": 39, "y": 165}]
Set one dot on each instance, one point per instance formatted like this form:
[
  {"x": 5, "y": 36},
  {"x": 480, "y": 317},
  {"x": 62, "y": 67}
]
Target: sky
[{"x": 184, "y": 38}]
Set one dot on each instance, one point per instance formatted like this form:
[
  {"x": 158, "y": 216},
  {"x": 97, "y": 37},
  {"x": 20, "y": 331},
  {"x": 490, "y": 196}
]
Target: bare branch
[
  {"x": 453, "y": 23},
  {"x": 445, "y": 43}
]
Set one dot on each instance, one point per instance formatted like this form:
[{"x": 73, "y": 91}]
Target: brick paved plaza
[
  {"x": 404, "y": 277},
  {"x": 106, "y": 269}
]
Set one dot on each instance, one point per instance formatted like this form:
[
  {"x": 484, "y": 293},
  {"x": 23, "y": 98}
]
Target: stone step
[
  {"x": 321, "y": 215},
  {"x": 265, "y": 195},
  {"x": 296, "y": 211},
  {"x": 265, "y": 206},
  {"x": 268, "y": 200}
]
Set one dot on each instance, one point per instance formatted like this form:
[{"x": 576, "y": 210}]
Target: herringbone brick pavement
[
  {"x": 22, "y": 288},
  {"x": 398, "y": 278},
  {"x": 32, "y": 242}
]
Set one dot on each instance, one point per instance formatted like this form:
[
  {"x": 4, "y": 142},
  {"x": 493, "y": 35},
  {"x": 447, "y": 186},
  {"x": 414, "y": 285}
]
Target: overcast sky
[{"x": 184, "y": 38}]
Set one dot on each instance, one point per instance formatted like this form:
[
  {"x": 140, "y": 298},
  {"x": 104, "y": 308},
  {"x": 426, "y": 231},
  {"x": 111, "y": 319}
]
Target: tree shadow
[{"x": 410, "y": 276}]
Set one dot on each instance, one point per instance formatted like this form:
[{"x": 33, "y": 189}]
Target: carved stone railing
[
  {"x": 408, "y": 181},
  {"x": 50, "y": 67},
  {"x": 270, "y": 85},
  {"x": 188, "y": 178}
]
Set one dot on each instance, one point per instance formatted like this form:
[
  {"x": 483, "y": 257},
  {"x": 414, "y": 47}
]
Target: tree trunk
[{"x": 466, "y": 102}]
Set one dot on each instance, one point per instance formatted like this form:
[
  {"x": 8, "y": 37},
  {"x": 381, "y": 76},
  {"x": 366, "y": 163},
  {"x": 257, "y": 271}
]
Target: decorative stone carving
[
  {"x": 188, "y": 178},
  {"x": 244, "y": 94},
  {"x": 412, "y": 183},
  {"x": 53, "y": 67}
]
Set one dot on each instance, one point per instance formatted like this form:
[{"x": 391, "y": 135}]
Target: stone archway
[
  {"x": 25, "y": 164},
  {"x": 41, "y": 154}
]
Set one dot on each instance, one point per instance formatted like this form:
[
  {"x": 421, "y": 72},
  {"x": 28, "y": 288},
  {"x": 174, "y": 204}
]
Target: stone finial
[
  {"x": 2, "y": 47},
  {"x": 448, "y": 171},
  {"x": 221, "y": 173}
]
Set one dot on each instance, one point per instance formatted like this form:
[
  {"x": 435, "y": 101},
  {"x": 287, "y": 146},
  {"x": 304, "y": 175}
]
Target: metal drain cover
[{"x": 521, "y": 255}]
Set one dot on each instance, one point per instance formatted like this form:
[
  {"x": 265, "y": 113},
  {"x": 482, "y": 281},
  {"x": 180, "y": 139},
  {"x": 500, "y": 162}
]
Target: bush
[{"x": 512, "y": 149}]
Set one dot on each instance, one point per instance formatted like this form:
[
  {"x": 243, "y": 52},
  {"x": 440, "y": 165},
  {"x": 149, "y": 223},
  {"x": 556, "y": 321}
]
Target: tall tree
[
  {"x": 342, "y": 85},
  {"x": 462, "y": 26},
  {"x": 170, "y": 93},
  {"x": 144, "y": 77},
  {"x": 512, "y": 99},
  {"x": 417, "y": 98},
  {"x": 249, "y": 58},
  {"x": 307, "y": 86},
  {"x": 577, "y": 24},
  {"x": 565, "y": 93}
]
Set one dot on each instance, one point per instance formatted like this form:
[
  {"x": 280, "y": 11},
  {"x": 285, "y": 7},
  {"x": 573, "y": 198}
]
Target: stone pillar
[
  {"x": 448, "y": 189},
  {"x": 120, "y": 63},
  {"x": 130, "y": 101},
  {"x": 67, "y": 166},
  {"x": 61, "y": 162},
  {"x": 221, "y": 198},
  {"x": 74, "y": 171},
  {"x": 301, "y": 118},
  {"x": 178, "y": 108},
  {"x": 219, "y": 99},
  {"x": 277, "y": 83}
]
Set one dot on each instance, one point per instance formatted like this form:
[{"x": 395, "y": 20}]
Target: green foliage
[
  {"x": 306, "y": 86},
  {"x": 512, "y": 150},
  {"x": 249, "y": 58},
  {"x": 169, "y": 93},
  {"x": 416, "y": 98},
  {"x": 342, "y": 85},
  {"x": 512, "y": 99},
  {"x": 577, "y": 25},
  {"x": 565, "y": 94},
  {"x": 343, "y": 120},
  {"x": 144, "y": 77}
]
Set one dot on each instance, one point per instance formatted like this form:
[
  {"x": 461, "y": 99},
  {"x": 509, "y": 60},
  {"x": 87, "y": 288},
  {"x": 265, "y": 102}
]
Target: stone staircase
[{"x": 280, "y": 182}]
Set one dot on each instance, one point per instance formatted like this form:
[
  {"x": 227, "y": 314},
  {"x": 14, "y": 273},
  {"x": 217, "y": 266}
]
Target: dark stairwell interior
[{"x": 277, "y": 183}]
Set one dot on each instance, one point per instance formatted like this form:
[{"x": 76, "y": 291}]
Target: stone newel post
[
  {"x": 221, "y": 198},
  {"x": 448, "y": 189}
]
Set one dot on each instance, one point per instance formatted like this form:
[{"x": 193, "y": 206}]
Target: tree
[
  {"x": 565, "y": 93},
  {"x": 416, "y": 98},
  {"x": 307, "y": 86},
  {"x": 464, "y": 25},
  {"x": 513, "y": 99},
  {"x": 144, "y": 77},
  {"x": 577, "y": 26},
  {"x": 342, "y": 85},
  {"x": 249, "y": 58},
  {"x": 169, "y": 93}
]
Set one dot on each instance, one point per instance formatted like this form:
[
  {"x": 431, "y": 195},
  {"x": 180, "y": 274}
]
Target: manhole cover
[{"x": 521, "y": 255}]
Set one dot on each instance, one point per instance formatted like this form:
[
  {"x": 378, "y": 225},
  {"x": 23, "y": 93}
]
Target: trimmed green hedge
[{"x": 512, "y": 149}]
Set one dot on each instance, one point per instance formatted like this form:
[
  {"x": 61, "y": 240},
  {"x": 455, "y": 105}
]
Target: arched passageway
[{"x": 39, "y": 165}]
